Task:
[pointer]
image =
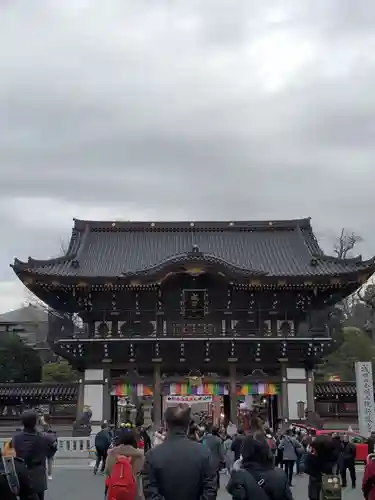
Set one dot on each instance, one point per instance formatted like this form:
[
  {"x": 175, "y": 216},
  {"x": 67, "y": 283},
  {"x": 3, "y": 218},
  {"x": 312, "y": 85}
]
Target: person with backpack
[
  {"x": 256, "y": 476},
  {"x": 123, "y": 468},
  {"x": 33, "y": 448},
  {"x": 14, "y": 480}
]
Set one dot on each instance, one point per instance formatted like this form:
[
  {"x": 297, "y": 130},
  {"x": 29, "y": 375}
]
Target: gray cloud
[{"x": 217, "y": 109}]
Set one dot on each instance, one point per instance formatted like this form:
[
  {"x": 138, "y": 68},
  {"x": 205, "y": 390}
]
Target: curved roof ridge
[
  {"x": 304, "y": 242},
  {"x": 194, "y": 257}
]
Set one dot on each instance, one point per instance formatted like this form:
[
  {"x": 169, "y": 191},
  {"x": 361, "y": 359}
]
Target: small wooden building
[
  {"x": 58, "y": 401},
  {"x": 336, "y": 403}
]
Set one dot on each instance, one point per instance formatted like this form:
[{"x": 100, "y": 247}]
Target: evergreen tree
[{"x": 18, "y": 362}]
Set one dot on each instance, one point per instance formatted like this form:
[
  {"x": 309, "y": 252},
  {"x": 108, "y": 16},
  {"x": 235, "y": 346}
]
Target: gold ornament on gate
[{"x": 195, "y": 378}]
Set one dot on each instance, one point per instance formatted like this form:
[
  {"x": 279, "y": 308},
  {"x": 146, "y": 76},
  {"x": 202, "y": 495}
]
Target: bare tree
[
  {"x": 32, "y": 300},
  {"x": 366, "y": 294},
  {"x": 345, "y": 243},
  {"x": 63, "y": 246},
  {"x": 30, "y": 297},
  {"x": 342, "y": 249}
]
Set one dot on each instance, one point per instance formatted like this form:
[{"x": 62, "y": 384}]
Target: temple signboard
[
  {"x": 194, "y": 304},
  {"x": 189, "y": 400},
  {"x": 191, "y": 328},
  {"x": 365, "y": 397}
]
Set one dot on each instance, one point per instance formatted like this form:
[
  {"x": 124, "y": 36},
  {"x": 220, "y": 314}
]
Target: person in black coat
[
  {"x": 146, "y": 439},
  {"x": 26, "y": 491},
  {"x": 348, "y": 461},
  {"x": 33, "y": 448},
  {"x": 338, "y": 446},
  {"x": 258, "y": 478},
  {"x": 178, "y": 468},
  {"x": 237, "y": 443},
  {"x": 321, "y": 460},
  {"x": 102, "y": 443},
  {"x": 140, "y": 416}
]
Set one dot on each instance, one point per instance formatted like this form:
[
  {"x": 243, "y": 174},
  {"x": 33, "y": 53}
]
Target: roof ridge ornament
[{"x": 195, "y": 251}]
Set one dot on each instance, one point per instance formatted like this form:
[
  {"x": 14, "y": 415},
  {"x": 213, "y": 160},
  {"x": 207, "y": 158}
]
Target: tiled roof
[
  {"x": 27, "y": 314},
  {"x": 41, "y": 391},
  {"x": 125, "y": 249},
  {"x": 335, "y": 389}
]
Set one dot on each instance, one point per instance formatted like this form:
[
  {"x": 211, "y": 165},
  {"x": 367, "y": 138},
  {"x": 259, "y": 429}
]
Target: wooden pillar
[
  {"x": 133, "y": 380},
  {"x": 233, "y": 392},
  {"x": 310, "y": 391},
  {"x": 81, "y": 396},
  {"x": 107, "y": 396},
  {"x": 157, "y": 396},
  {"x": 284, "y": 392}
]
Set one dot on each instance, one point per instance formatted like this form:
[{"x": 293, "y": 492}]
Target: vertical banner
[{"x": 365, "y": 397}]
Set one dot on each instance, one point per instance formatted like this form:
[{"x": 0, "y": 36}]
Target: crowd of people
[{"x": 186, "y": 460}]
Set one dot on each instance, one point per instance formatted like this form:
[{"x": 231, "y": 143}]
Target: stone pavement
[{"x": 74, "y": 480}]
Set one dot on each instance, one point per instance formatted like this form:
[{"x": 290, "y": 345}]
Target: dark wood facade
[{"x": 221, "y": 299}]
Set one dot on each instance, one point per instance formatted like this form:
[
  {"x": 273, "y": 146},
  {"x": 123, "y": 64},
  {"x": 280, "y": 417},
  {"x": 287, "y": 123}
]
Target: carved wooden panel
[
  {"x": 103, "y": 328},
  {"x": 285, "y": 328}
]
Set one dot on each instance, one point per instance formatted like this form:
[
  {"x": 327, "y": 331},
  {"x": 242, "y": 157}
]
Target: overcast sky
[{"x": 183, "y": 109}]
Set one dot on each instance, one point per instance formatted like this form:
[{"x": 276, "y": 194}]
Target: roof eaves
[
  {"x": 353, "y": 264},
  {"x": 332, "y": 388},
  {"x": 75, "y": 249},
  {"x": 292, "y": 224}
]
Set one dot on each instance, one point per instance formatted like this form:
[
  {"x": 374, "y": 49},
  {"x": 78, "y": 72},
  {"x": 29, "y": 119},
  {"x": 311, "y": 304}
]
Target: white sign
[
  {"x": 365, "y": 398},
  {"x": 189, "y": 399}
]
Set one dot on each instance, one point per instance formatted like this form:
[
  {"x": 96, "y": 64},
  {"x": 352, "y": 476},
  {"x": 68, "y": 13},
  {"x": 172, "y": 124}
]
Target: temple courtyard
[{"x": 74, "y": 480}]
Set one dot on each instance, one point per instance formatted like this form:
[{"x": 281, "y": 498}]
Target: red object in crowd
[
  {"x": 369, "y": 479},
  {"x": 121, "y": 483},
  {"x": 141, "y": 444}
]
